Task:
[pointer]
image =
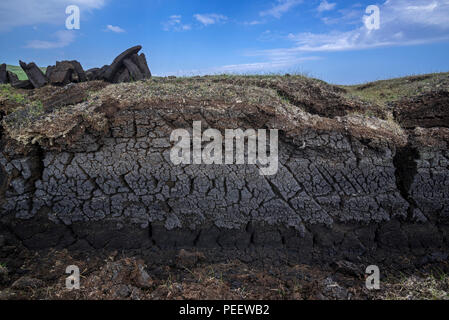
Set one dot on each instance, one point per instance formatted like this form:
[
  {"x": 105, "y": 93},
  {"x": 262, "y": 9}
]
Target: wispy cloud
[
  {"x": 210, "y": 18},
  {"x": 326, "y": 6},
  {"x": 174, "y": 23},
  {"x": 268, "y": 35},
  {"x": 16, "y": 13},
  {"x": 345, "y": 16},
  {"x": 115, "y": 29},
  {"x": 280, "y": 7},
  {"x": 402, "y": 23},
  {"x": 62, "y": 39},
  {"x": 254, "y": 22}
]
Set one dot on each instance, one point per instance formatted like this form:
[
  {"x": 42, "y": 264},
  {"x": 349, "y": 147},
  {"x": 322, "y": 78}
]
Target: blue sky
[{"x": 324, "y": 39}]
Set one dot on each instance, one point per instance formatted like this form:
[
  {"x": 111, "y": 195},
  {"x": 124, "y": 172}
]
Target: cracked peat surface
[{"x": 361, "y": 181}]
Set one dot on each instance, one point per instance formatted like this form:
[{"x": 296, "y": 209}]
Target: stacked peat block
[
  {"x": 128, "y": 66},
  {"x": 3, "y": 74},
  {"x": 11, "y": 77},
  {"x": 34, "y": 74},
  {"x": 65, "y": 72}
]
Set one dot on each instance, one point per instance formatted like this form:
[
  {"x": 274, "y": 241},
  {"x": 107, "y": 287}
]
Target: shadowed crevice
[{"x": 406, "y": 168}]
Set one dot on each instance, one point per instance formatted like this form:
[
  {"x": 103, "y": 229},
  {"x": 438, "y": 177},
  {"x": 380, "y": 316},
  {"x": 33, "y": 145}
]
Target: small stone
[
  {"x": 332, "y": 290},
  {"x": 121, "y": 291},
  {"x": 136, "y": 294},
  {"x": 143, "y": 279},
  {"x": 25, "y": 283},
  {"x": 189, "y": 259}
]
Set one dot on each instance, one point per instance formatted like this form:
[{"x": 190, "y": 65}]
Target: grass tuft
[{"x": 19, "y": 71}]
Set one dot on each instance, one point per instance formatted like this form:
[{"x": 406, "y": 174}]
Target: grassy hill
[
  {"x": 384, "y": 91},
  {"x": 19, "y": 72}
]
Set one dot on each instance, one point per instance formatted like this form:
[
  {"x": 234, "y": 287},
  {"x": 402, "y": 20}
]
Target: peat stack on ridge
[{"x": 128, "y": 66}]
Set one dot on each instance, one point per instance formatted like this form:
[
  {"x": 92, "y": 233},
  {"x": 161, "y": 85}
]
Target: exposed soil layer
[
  {"x": 427, "y": 110},
  {"x": 86, "y": 168}
]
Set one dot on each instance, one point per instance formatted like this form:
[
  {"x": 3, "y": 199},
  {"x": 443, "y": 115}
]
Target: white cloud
[
  {"x": 326, "y": 6},
  {"x": 176, "y": 18},
  {"x": 115, "y": 29},
  {"x": 174, "y": 23},
  {"x": 210, "y": 18},
  {"x": 89, "y": 4},
  {"x": 345, "y": 16},
  {"x": 63, "y": 39},
  {"x": 281, "y": 7},
  {"x": 16, "y": 13},
  {"x": 402, "y": 23},
  {"x": 254, "y": 22},
  {"x": 266, "y": 66}
]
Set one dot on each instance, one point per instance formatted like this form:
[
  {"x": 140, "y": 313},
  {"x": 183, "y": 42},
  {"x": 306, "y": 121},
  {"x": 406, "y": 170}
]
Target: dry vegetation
[
  {"x": 119, "y": 276},
  {"x": 51, "y": 112}
]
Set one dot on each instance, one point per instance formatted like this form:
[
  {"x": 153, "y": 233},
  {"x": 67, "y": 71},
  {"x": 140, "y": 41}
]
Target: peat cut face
[
  {"x": 346, "y": 187},
  {"x": 3, "y": 180},
  {"x": 427, "y": 110}
]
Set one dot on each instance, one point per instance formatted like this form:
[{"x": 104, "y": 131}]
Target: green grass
[
  {"x": 24, "y": 116},
  {"x": 384, "y": 91},
  {"x": 25, "y": 109},
  {"x": 6, "y": 91},
  {"x": 19, "y": 72}
]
